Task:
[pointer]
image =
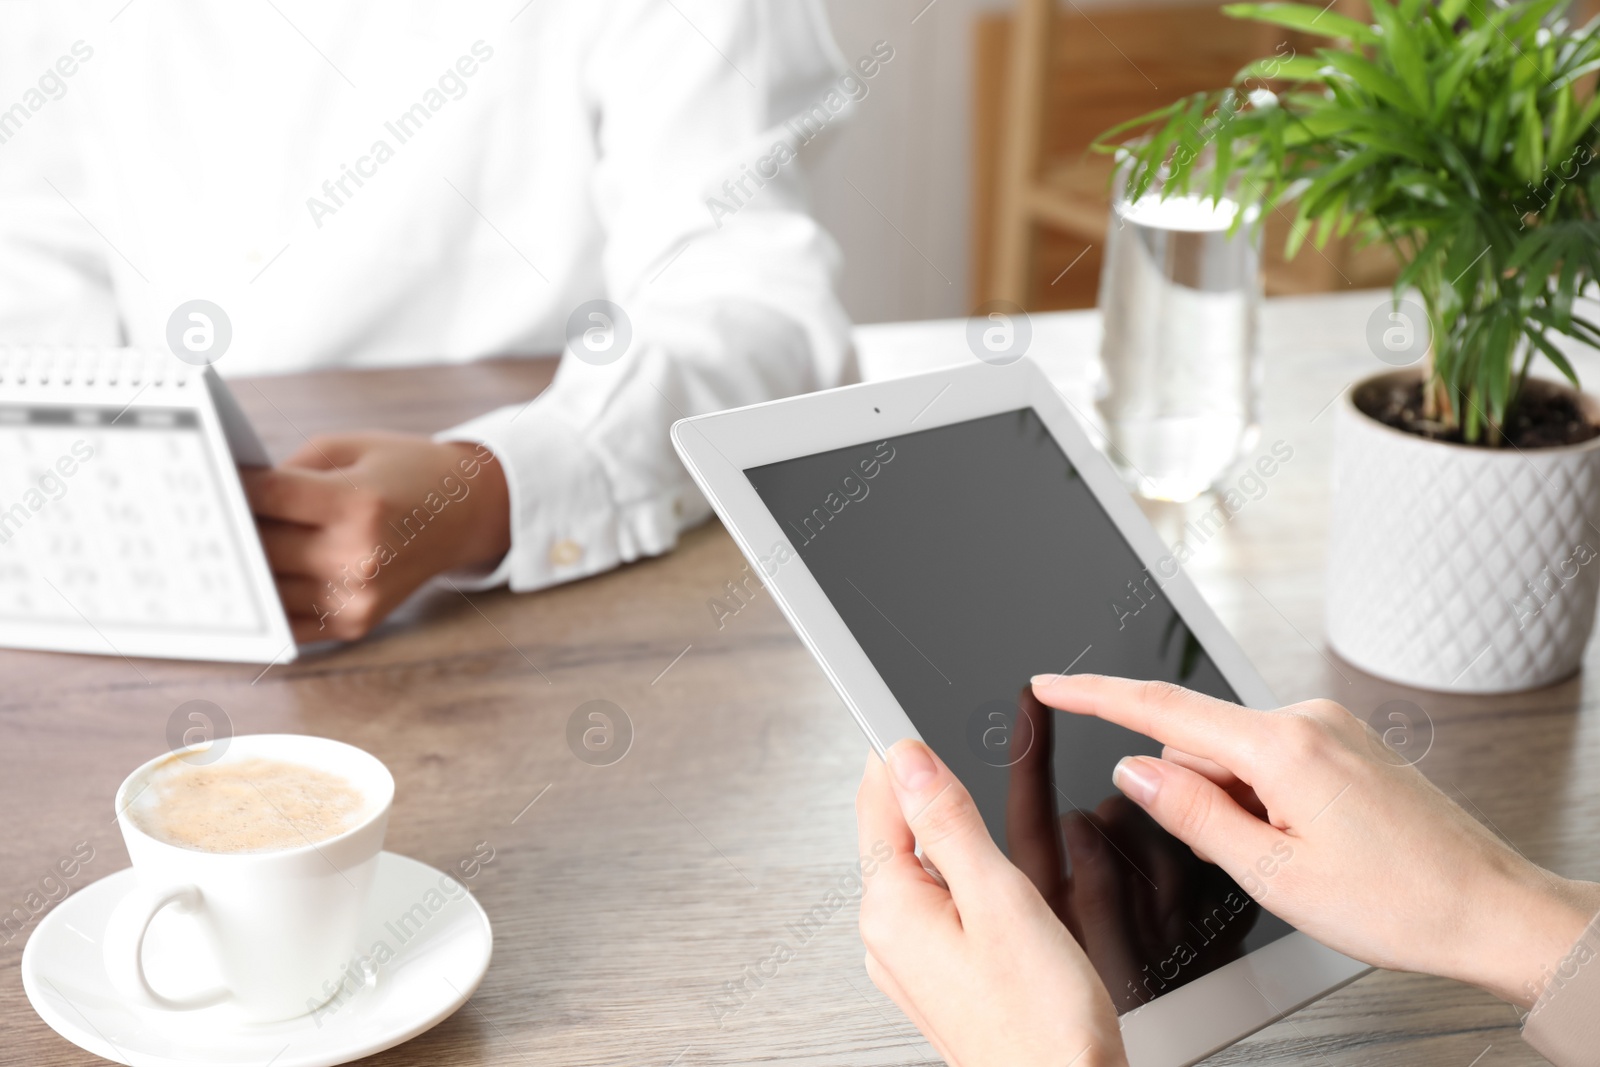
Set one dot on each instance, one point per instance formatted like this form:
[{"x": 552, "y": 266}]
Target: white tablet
[{"x": 937, "y": 540}]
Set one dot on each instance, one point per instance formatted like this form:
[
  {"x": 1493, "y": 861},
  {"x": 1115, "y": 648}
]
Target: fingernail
[
  {"x": 1138, "y": 778},
  {"x": 912, "y": 764},
  {"x": 1043, "y": 679}
]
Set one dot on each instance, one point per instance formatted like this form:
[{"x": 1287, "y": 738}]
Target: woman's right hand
[
  {"x": 960, "y": 939},
  {"x": 1316, "y": 818}
]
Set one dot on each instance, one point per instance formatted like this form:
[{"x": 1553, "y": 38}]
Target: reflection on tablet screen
[{"x": 966, "y": 559}]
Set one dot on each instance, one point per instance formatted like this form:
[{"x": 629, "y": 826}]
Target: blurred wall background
[
  {"x": 905, "y": 155},
  {"x": 904, "y": 162}
]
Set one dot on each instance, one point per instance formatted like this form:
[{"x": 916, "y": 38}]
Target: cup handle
[{"x": 123, "y": 947}]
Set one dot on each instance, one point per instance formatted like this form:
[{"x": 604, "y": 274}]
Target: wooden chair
[{"x": 1047, "y": 82}]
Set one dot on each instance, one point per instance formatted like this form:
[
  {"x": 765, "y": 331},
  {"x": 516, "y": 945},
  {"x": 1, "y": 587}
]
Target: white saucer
[{"x": 432, "y": 974}]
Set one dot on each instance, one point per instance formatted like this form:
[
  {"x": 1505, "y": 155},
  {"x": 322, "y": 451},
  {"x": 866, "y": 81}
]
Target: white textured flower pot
[{"x": 1458, "y": 568}]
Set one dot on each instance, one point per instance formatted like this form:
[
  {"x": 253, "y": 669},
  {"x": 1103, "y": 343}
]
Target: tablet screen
[{"x": 966, "y": 559}]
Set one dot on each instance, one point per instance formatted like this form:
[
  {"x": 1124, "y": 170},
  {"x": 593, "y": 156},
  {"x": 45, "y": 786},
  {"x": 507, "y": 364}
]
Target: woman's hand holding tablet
[
  {"x": 983, "y": 968},
  {"x": 1303, "y": 806}
]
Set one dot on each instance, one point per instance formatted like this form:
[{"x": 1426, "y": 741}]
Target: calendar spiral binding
[{"x": 42, "y": 365}]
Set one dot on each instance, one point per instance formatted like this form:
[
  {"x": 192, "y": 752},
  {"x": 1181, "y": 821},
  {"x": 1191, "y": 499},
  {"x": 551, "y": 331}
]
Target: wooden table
[{"x": 627, "y": 896}]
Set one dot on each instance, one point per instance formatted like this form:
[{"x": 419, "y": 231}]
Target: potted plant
[{"x": 1462, "y": 135}]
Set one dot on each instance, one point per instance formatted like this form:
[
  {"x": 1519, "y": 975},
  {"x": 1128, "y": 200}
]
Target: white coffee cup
[{"x": 279, "y": 927}]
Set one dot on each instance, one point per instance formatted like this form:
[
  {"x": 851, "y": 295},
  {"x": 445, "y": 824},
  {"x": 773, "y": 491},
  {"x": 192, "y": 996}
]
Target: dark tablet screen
[{"x": 967, "y": 558}]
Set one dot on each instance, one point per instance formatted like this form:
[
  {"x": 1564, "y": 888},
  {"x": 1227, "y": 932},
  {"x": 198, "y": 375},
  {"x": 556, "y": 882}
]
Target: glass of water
[{"x": 1181, "y": 383}]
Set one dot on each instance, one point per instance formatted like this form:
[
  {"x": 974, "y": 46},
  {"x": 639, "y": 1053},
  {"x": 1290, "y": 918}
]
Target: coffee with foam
[{"x": 248, "y": 805}]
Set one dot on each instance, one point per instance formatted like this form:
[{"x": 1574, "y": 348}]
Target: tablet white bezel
[{"x": 1193, "y": 1020}]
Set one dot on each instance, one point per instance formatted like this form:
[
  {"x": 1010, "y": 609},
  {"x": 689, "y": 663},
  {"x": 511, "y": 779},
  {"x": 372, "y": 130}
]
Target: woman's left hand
[{"x": 974, "y": 956}]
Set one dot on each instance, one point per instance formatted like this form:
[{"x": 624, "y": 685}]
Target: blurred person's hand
[
  {"x": 974, "y": 957},
  {"x": 1333, "y": 832},
  {"x": 355, "y": 523}
]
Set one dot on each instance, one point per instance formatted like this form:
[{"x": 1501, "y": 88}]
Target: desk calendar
[{"x": 124, "y": 529}]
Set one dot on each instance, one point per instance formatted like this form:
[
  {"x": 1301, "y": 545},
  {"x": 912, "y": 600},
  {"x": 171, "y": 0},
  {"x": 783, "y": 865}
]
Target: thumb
[
  {"x": 1200, "y": 813},
  {"x": 946, "y": 822}
]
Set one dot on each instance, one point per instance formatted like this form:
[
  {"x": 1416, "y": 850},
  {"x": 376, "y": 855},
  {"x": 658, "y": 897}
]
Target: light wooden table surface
[{"x": 627, "y": 897}]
